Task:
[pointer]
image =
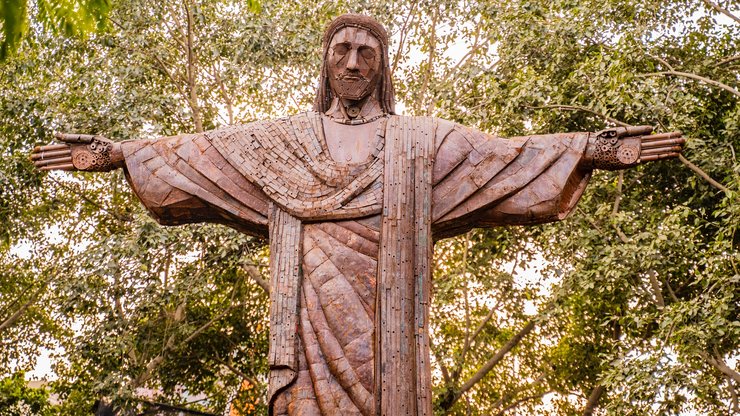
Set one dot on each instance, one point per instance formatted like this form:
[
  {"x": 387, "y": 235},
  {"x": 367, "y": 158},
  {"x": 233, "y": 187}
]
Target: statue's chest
[{"x": 350, "y": 143}]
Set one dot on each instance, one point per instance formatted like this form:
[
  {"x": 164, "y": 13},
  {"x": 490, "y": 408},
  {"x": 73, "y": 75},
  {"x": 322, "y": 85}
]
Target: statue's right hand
[{"x": 78, "y": 152}]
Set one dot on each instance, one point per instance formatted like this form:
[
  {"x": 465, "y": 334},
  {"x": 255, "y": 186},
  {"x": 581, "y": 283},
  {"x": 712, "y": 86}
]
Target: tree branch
[
  {"x": 510, "y": 395},
  {"x": 657, "y": 290},
  {"x": 236, "y": 371},
  {"x": 224, "y": 94},
  {"x": 191, "y": 71},
  {"x": 703, "y": 174},
  {"x": 488, "y": 366},
  {"x": 591, "y": 221},
  {"x": 430, "y": 66},
  {"x": 170, "y": 346},
  {"x": 734, "y": 403},
  {"x": 579, "y": 108},
  {"x": 593, "y": 400},
  {"x": 442, "y": 366},
  {"x": 119, "y": 217},
  {"x": 722, "y": 10},
  {"x": 728, "y": 60},
  {"x": 12, "y": 319},
  {"x": 615, "y": 208},
  {"x": 520, "y": 401},
  {"x": 255, "y": 275},
  {"x": 466, "y": 345},
  {"x": 720, "y": 365},
  {"x": 694, "y": 77},
  {"x": 404, "y": 28}
]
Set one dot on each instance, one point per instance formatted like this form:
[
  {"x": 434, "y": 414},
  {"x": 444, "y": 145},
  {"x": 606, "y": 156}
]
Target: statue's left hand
[
  {"x": 625, "y": 147},
  {"x": 78, "y": 152}
]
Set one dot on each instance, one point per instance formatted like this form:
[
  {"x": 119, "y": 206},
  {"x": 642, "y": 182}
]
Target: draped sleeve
[
  {"x": 184, "y": 179},
  {"x": 481, "y": 180}
]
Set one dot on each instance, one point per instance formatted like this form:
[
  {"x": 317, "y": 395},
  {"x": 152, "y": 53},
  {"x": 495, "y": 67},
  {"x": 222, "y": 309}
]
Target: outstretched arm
[
  {"x": 79, "y": 152},
  {"x": 179, "y": 179},
  {"x": 624, "y": 147},
  {"x": 482, "y": 180}
]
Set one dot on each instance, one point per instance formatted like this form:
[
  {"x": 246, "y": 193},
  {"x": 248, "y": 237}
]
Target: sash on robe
[{"x": 288, "y": 158}]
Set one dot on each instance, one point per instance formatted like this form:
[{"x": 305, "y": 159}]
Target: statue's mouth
[
  {"x": 351, "y": 77},
  {"x": 351, "y": 85}
]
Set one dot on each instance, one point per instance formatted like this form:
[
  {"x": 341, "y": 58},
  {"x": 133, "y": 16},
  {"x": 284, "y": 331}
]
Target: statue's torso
[{"x": 350, "y": 143}]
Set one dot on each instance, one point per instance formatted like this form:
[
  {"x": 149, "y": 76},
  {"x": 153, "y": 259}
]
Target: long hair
[{"x": 385, "y": 92}]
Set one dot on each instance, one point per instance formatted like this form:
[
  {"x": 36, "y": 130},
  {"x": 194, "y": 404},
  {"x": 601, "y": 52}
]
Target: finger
[
  {"x": 67, "y": 167},
  {"x": 661, "y": 136},
  {"x": 638, "y": 130},
  {"x": 58, "y": 161},
  {"x": 50, "y": 155},
  {"x": 661, "y": 150},
  {"x": 663, "y": 143},
  {"x": 74, "y": 138},
  {"x": 50, "y": 147},
  {"x": 659, "y": 157}
]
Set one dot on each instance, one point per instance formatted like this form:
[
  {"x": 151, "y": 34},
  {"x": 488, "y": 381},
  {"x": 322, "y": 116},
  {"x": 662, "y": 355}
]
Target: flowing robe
[{"x": 351, "y": 243}]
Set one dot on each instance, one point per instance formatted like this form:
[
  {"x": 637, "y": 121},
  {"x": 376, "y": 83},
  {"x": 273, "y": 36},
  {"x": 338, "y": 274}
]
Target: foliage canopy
[{"x": 633, "y": 305}]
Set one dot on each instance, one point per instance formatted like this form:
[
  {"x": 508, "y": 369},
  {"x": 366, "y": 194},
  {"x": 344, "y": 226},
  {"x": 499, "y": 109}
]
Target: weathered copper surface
[{"x": 351, "y": 198}]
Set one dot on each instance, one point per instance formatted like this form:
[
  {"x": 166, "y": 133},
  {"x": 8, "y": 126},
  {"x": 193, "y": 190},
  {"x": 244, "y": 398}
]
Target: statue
[{"x": 352, "y": 197}]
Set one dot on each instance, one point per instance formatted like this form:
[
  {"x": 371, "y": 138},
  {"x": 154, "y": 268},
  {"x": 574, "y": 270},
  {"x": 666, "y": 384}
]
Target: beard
[{"x": 352, "y": 86}]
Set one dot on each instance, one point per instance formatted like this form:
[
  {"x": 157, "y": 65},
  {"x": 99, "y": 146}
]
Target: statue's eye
[
  {"x": 341, "y": 49},
  {"x": 367, "y": 53}
]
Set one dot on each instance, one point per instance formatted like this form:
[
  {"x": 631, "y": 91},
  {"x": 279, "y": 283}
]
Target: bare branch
[
  {"x": 488, "y": 366},
  {"x": 615, "y": 208},
  {"x": 170, "y": 346},
  {"x": 720, "y": 365},
  {"x": 255, "y": 275},
  {"x": 657, "y": 290},
  {"x": 119, "y": 217},
  {"x": 593, "y": 400},
  {"x": 703, "y": 174},
  {"x": 404, "y": 33},
  {"x": 442, "y": 366},
  {"x": 694, "y": 77},
  {"x": 236, "y": 371},
  {"x": 722, "y": 10},
  {"x": 579, "y": 108},
  {"x": 430, "y": 66},
  {"x": 618, "y": 196},
  {"x": 727, "y": 60},
  {"x": 191, "y": 70},
  {"x": 521, "y": 401},
  {"x": 511, "y": 394},
  {"x": 12, "y": 319}
]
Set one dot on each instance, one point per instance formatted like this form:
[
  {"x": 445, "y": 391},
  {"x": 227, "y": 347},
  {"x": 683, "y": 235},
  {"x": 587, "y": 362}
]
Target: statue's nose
[{"x": 352, "y": 60}]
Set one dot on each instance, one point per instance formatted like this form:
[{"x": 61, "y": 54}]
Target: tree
[
  {"x": 17, "y": 399},
  {"x": 634, "y": 310},
  {"x": 76, "y": 18}
]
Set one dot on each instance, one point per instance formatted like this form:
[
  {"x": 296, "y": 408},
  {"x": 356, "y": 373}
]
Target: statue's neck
[{"x": 351, "y": 111}]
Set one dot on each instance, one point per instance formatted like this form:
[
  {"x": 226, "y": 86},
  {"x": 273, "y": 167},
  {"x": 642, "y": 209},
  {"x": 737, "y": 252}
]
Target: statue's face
[{"x": 353, "y": 63}]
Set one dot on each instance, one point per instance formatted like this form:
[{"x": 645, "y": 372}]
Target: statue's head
[{"x": 355, "y": 63}]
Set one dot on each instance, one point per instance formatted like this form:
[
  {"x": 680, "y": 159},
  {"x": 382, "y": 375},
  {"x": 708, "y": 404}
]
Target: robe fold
[{"x": 351, "y": 244}]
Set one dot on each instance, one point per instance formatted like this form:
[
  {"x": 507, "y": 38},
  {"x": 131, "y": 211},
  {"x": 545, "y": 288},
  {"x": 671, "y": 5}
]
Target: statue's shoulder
[{"x": 247, "y": 129}]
